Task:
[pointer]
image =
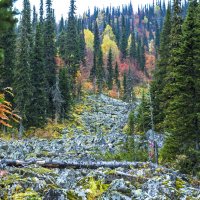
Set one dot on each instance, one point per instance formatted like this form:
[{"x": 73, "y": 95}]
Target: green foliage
[
  {"x": 96, "y": 187},
  {"x": 131, "y": 123},
  {"x": 110, "y": 70},
  {"x": 143, "y": 118},
  {"x": 124, "y": 40},
  {"x": 183, "y": 79},
  {"x": 130, "y": 151},
  {"x": 64, "y": 85},
  {"x": 71, "y": 55},
  {"x": 49, "y": 55},
  {"x": 160, "y": 73},
  {"x": 28, "y": 195},
  {"x": 39, "y": 82},
  {"x": 116, "y": 76},
  {"x": 23, "y": 88},
  {"x": 132, "y": 51}
]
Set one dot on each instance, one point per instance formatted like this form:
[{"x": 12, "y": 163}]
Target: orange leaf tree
[{"x": 6, "y": 112}]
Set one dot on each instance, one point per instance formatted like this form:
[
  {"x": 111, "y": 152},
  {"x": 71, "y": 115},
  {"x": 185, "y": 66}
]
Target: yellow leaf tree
[
  {"x": 109, "y": 42},
  {"x": 89, "y": 39}
]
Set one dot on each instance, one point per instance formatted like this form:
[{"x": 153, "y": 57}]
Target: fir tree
[
  {"x": 100, "y": 71},
  {"x": 110, "y": 70},
  {"x": 72, "y": 46},
  {"x": 174, "y": 142},
  {"x": 8, "y": 43},
  {"x": 22, "y": 74},
  {"x": 116, "y": 76},
  {"x": 160, "y": 73},
  {"x": 64, "y": 85},
  {"x": 125, "y": 86},
  {"x": 131, "y": 123},
  {"x": 93, "y": 73},
  {"x": 124, "y": 41},
  {"x": 142, "y": 57},
  {"x": 39, "y": 82},
  {"x": 133, "y": 47},
  {"x": 49, "y": 54},
  {"x": 185, "y": 103},
  {"x": 143, "y": 118}
]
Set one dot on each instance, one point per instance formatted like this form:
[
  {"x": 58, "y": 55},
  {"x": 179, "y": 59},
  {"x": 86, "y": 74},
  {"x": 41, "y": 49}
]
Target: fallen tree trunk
[{"x": 74, "y": 164}]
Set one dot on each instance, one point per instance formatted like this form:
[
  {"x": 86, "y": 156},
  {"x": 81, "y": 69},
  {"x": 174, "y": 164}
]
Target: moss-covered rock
[{"x": 29, "y": 194}]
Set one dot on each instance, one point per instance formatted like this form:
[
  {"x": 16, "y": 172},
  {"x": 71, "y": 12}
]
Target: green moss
[
  {"x": 95, "y": 187},
  {"x": 71, "y": 195},
  {"x": 41, "y": 170},
  {"x": 165, "y": 183},
  {"x": 179, "y": 184},
  {"x": 29, "y": 194},
  {"x": 110, "y": 172}
]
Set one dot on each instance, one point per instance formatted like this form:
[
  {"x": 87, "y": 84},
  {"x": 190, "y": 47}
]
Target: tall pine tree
[
  {"x": 110, "y": 70},
  {"x": 22, "y": 74}
]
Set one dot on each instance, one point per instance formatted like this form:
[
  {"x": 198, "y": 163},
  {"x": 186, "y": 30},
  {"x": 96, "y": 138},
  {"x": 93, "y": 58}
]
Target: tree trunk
[{"x": 74, "y": 164}]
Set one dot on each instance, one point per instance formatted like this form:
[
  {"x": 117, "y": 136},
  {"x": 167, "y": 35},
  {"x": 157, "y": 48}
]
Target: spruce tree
[
  {"x": 160, "y": 74},
  {"x": 71, "y": 56},
  {"x": 110, "y": 70},
  {"x": 142, "y": 57},
  {"x": 185, "y": 102},
  {"x": 8, "y": 43},
  {"x": 49, "y": 54},
  {"x": 124, "y": 41},
  {"x": 131, "y": 123},
  {"x": 116, "y": 76},
  {"x": 93, "y": 73},
  {"x": 143, "y": 118},
  {"x": 175, "y": 141},
  {"x": 22, "y": 74},
  {"x": 125, "y": 86},
  {"x": 133, "y": 47},
  {"x": 39, "y": 82},
  {"x": 64, "y": 85},
  {"x": 100, "y": 71}
]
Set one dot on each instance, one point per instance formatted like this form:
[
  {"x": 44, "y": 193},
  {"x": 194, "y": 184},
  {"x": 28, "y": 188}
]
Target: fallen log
[{"x": 74, "y": 164}]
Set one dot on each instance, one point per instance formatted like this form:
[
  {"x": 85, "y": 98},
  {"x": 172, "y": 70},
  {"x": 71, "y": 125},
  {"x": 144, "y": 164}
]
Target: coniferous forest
[{"x": 102, "y": 105}]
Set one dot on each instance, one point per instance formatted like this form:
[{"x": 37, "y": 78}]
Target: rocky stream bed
[{"x": 100, "y": 131}]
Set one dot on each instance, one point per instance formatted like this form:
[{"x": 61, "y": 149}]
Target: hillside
[{"x": 104, "y": 119}]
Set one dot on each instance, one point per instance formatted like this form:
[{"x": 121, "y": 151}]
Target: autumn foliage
[{"x": 6, "y": 112}]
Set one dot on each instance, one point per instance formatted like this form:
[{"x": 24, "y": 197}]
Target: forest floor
[{"x": 95, "y": 133}]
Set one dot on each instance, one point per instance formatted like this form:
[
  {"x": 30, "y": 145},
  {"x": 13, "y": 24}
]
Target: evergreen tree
[
  {"x": 64, "y": 85},
  {"x": 124, "y": 41},
  {"x": 49, "y": 54},
  {"x": 39, "y": 82},
  {"x": 157, "y": 39},
  {"x": 129, "y": 87},
  {"x": 22, "y": 75},
  {"x": 110, "y": 70},
  {"x": 175, "y": 143},
  {"x": 100, "y": 71},
  {"x": 131, "y": 123},
  {"x": 142, "y": 57},
  {"x": 133, "y": 47},
  {"x": 143, "y": 118},
  {"x": 34, "y": 20},
  {"x": 93, "y": 73},
  {"x": 160, "y": 73},
  {"x": 186, "y": 108},
  {"x": 116, "y": 76},
  {"x": 71, "y": 56},
  {"x": 8, "y": 43},
  {"x": 125, "y": 86}
]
